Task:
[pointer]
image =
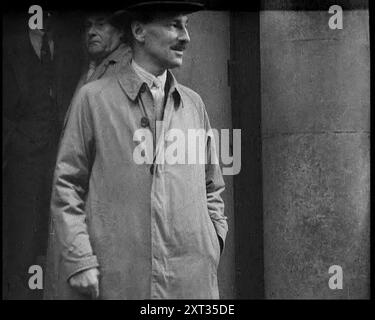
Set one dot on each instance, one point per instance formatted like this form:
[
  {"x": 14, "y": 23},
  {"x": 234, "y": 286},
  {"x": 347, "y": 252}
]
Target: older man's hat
[
  {"x": 166, "y": 5},
  {"x": 116, "y": 18}
]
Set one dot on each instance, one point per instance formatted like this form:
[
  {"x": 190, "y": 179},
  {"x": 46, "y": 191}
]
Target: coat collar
[
  {"x": 133, "y": 85},
  {"x": 116, "y": 55}
]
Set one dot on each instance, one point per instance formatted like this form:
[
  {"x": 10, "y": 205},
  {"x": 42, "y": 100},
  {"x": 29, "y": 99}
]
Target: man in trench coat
[{"x": 131, "y": 230}]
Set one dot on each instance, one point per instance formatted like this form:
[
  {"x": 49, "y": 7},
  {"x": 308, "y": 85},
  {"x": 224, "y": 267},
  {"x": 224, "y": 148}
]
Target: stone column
[{"x": 315, "y": 85}]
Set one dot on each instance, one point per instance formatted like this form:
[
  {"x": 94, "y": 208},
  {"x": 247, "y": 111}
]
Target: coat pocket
[{"x": 214, "y": 241}]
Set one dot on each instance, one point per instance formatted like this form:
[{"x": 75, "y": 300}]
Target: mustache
[{"x": 179, "y": 47}]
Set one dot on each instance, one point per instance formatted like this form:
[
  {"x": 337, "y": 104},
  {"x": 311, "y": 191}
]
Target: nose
[
  {"x": 91, "y": 30},
  {"x": 184, "y": 35}
]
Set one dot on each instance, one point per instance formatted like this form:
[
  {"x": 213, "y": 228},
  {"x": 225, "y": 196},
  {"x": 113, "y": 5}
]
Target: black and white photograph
[{"x": 195, "y": 150}]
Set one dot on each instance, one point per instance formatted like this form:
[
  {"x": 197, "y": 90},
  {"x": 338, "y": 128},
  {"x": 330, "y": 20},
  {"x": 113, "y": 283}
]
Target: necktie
[
  {"x": 158, "y": 95},
  {"x": 46, "y": 60},
  {"x": 45, "y": 52}
]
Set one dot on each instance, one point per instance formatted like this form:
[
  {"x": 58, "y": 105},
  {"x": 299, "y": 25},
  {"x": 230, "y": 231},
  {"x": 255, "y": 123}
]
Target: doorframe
[{"x": 244, "y": 73}]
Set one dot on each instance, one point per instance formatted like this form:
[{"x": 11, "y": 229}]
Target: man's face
[
  {"x": 165, "y": 39},
  {"x": 101, "y": 37}
]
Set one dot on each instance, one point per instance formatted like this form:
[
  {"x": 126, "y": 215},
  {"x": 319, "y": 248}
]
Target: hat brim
[{"x": 181, "y": 6}]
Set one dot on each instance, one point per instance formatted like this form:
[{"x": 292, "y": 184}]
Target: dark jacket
[{"x": 32, "y": 122}]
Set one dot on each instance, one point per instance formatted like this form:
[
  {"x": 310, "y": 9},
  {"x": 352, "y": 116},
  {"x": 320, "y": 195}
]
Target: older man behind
[{"x": 107, "y": 53}]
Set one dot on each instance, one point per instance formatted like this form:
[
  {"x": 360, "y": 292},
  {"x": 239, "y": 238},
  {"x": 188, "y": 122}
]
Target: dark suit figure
[{"x": 40, "y": 71}]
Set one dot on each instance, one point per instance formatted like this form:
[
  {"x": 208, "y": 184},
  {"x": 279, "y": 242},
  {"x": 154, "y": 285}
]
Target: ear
[{"x": 138, "y": 31}]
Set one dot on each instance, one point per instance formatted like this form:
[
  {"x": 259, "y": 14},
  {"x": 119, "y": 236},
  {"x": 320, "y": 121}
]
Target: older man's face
[
  {"x": 101, "y": 37},
  {"x": 166, "y": 38}
]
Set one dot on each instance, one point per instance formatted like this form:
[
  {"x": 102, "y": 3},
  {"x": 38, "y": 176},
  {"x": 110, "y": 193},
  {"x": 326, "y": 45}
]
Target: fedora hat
[
  {"x": 116, "y": 18},
  {"x": 167, "y": 5}
]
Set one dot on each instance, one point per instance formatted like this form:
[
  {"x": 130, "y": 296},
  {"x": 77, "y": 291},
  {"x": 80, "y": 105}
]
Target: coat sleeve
[
  {"x": 214, "y": 186},
  {"x": 70, "y": 186}
]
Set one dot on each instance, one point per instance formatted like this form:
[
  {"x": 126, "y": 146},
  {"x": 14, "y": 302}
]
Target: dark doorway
[{"x": 246, "y": 113}]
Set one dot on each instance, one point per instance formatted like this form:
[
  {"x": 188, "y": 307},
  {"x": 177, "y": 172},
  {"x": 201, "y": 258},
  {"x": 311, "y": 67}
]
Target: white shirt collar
[
  {"x": 149, "y": 78},
  {"x": 36, "y": 32}
]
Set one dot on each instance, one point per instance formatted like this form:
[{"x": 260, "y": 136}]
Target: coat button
[
  {"x": 145, "y": 122},
  {"x": 152, "y": 169}
]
